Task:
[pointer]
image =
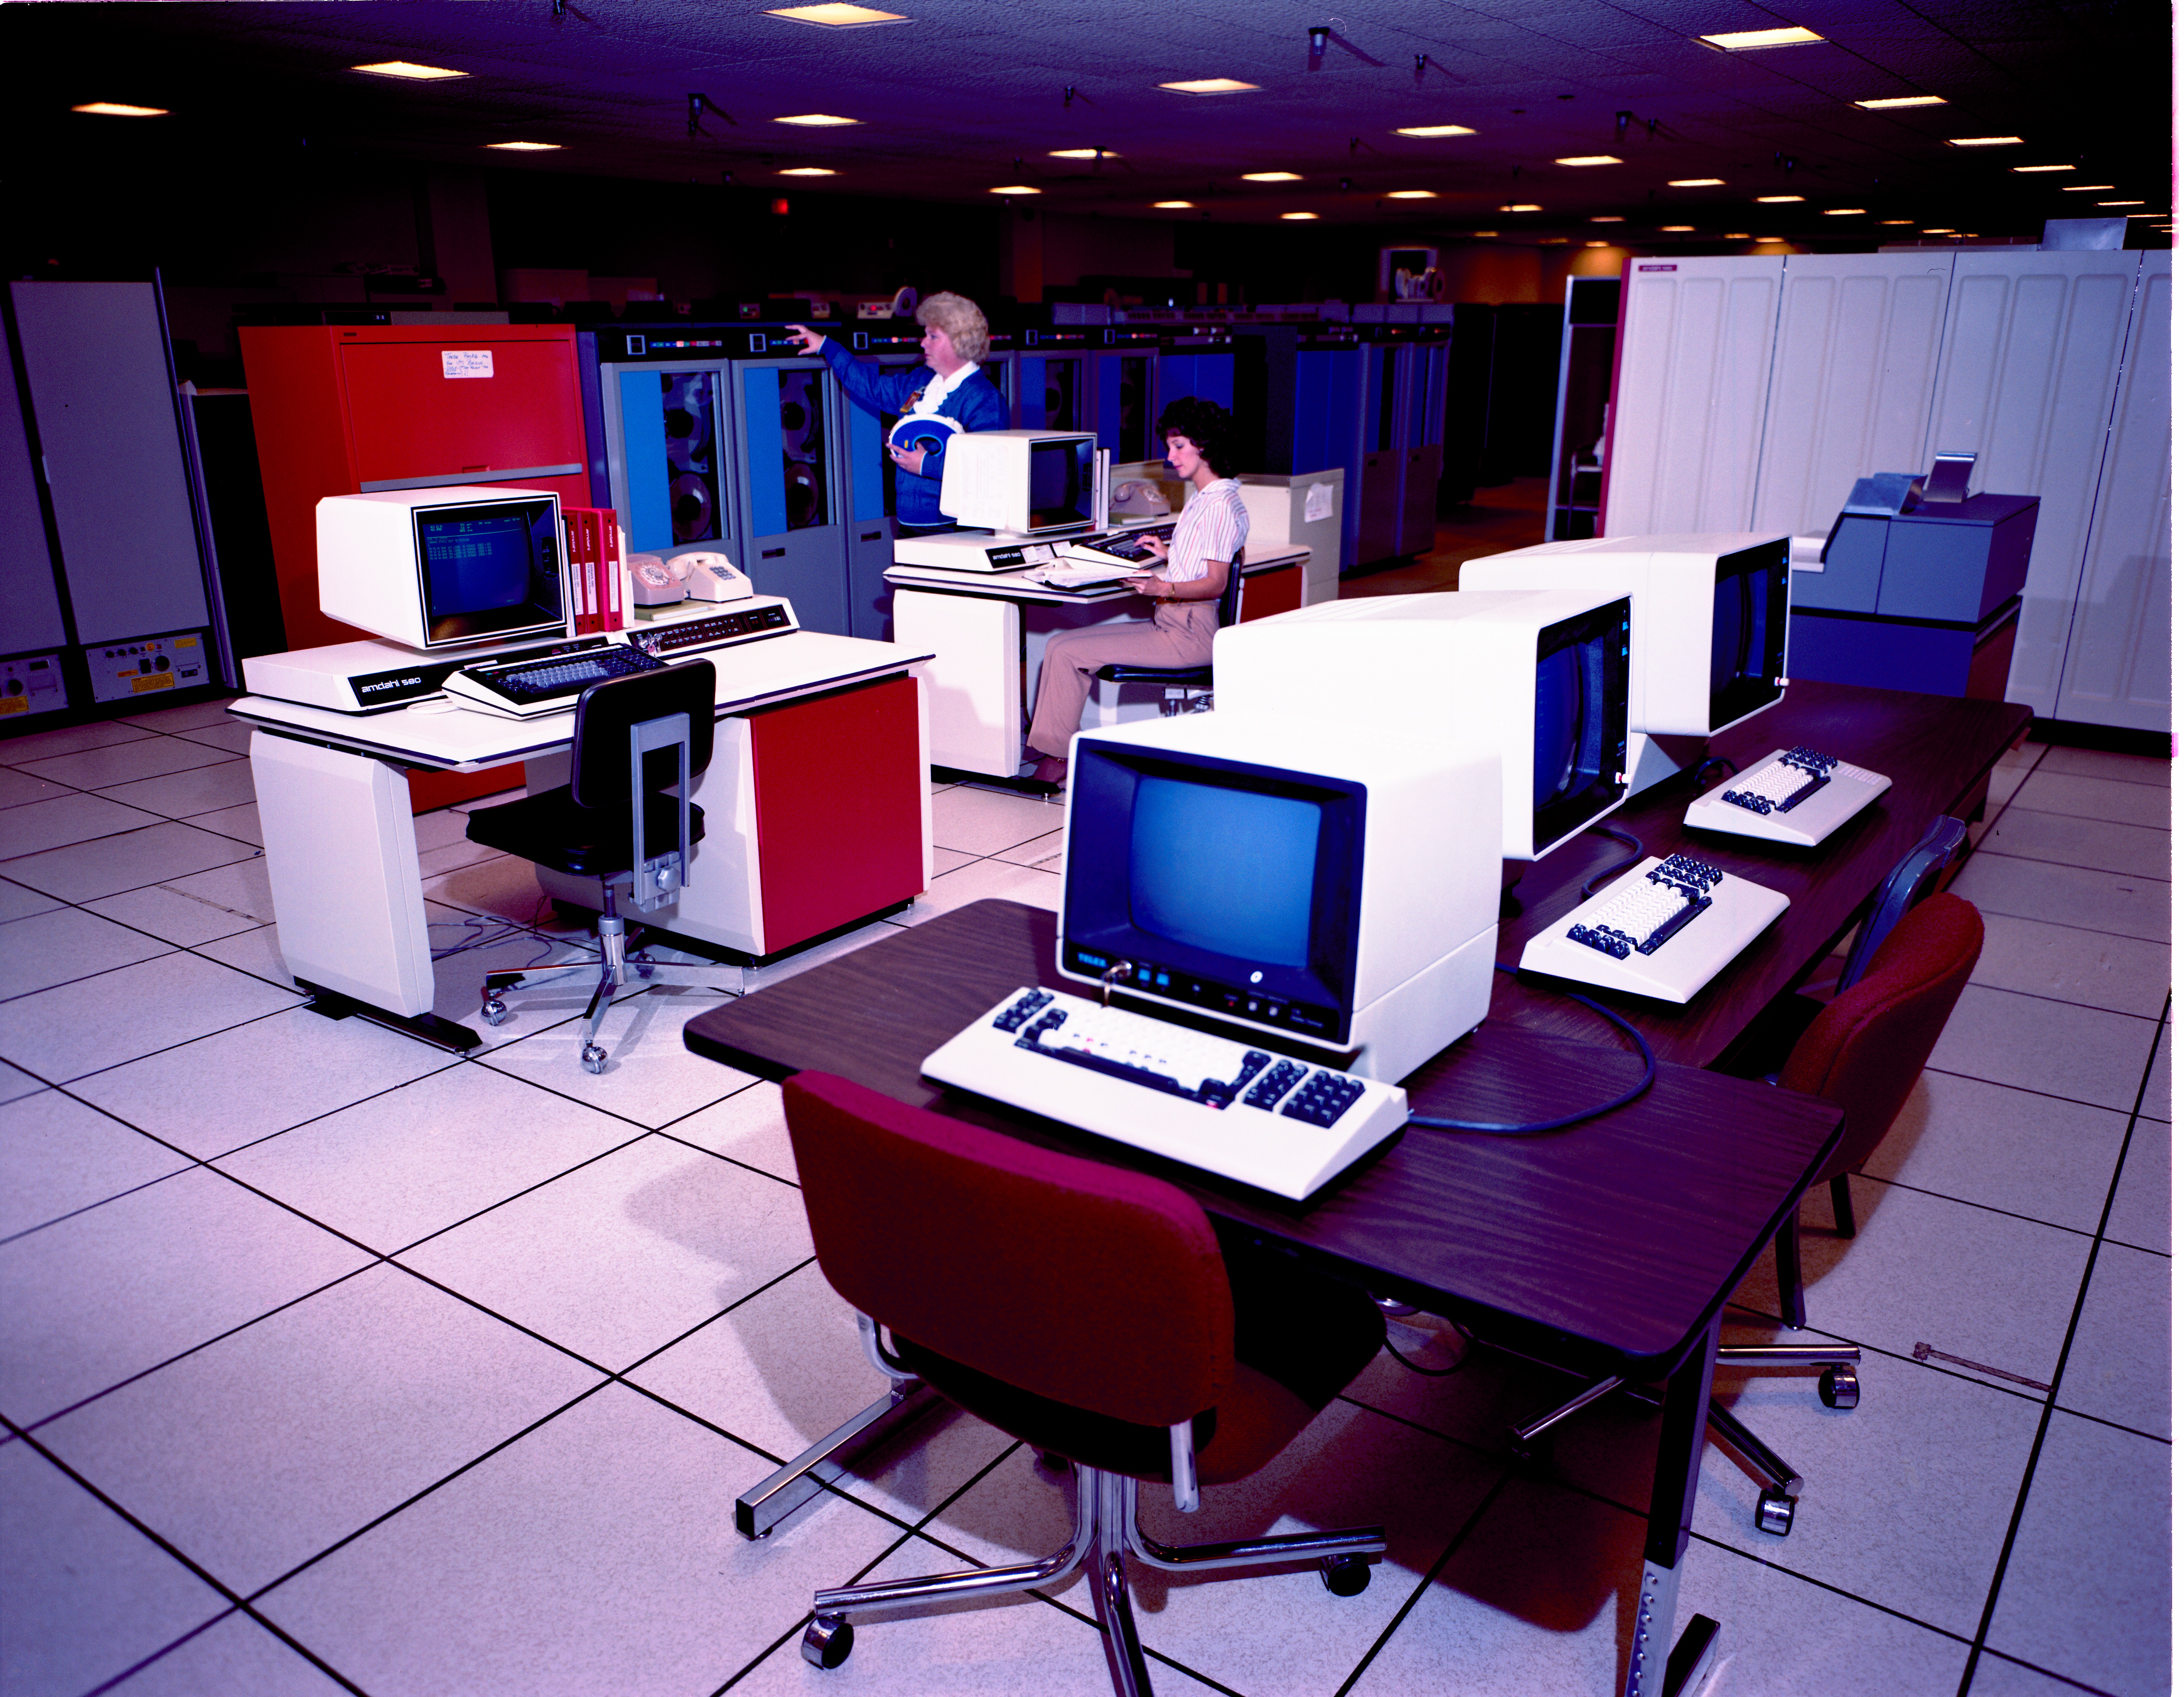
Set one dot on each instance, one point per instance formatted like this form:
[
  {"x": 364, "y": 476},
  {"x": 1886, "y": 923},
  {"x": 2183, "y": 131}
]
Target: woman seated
[{"x": 1186, "y": 594}]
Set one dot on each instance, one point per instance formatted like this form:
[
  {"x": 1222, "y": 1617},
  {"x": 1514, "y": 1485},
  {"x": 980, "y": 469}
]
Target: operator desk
[
  {"x": 1608, "y": 1248},
  {"x": 987, "y": 631},
  {"x": 827, "y": 750},
  {"x": 1936, "y": 749}
]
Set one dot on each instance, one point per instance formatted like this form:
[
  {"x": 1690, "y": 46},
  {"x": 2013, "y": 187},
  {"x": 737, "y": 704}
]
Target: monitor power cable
[
  {"x": 1534, "y": 1127},
  {"x": 1637, "y": 854}
]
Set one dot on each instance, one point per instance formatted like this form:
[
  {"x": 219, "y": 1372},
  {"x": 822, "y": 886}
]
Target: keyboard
[
  {"x": 1663, "y": 929},
  {"x": 1126, "y": 550},
  {"x": 1795, "y": 795},
  {"x": 529, "y": 688},
  {"x": 763, "y": 616},
  {"x": 1224, "y": 1107}
]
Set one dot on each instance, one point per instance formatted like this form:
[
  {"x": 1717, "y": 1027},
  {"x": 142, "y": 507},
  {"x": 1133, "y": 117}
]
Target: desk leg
[
  {"x": 974, "y": 681},
  {"x": 1656, "y": 1670},
  {"x": 348, "y": 901}
]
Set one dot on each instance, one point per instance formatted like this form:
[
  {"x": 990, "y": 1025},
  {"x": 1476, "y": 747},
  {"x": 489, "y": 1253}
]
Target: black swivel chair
[
  {"x": 1180, "y": 682},
  {"x": 626, "y": 813}
]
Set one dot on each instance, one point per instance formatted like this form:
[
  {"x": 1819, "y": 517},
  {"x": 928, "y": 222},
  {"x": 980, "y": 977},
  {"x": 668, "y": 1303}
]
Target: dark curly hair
[{"x": 1209, "y": 426}]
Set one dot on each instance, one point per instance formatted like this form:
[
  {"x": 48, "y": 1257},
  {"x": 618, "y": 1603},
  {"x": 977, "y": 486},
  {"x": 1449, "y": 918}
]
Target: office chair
[
  {"x": 1161, "y": 1371},
  {"x": 1180, "y": 682},
  {"x": 635, "y": 737},
  {"x": 1865, "y": 1050}
]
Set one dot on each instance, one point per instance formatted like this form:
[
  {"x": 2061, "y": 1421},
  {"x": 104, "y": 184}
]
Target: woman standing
[{"x": 1185, "y": 595}]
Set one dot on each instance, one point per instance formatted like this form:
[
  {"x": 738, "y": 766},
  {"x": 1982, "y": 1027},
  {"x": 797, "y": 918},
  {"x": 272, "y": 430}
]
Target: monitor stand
[{"x": 1656, "y": 759}]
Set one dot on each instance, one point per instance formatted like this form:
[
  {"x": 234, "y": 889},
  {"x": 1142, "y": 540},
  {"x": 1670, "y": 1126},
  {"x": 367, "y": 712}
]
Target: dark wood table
[
  {"x": 1608, "y": 1248},
  {"x": 1937, "y": 752}
]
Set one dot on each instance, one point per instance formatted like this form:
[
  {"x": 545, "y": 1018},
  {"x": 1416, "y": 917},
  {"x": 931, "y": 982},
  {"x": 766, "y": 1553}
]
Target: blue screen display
[
  {"x": 476, "y": 565},
  {"x": 1223, "y": 869},
  {"x": 1558, "y": 726}
]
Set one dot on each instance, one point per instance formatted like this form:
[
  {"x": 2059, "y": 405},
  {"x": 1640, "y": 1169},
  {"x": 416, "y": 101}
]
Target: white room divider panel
[
  {"x": 2115, "y": 670},
  {"x": 1697, "y": 337},
  {"x": 2028, "y": 377},
  {"x": 1855, "y": 346}
]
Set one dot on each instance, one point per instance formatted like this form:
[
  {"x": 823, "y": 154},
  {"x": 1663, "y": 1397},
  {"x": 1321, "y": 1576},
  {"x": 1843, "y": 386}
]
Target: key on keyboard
[
  {"x": 1795, "y": 795},
  {"x": 1266, "y": 1120},
  {"x": 1663, "y": 929}
]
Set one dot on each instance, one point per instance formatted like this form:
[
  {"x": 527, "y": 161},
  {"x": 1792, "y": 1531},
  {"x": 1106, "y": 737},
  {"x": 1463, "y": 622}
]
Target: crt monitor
[
  {"x": 1286, "y": 881},
  {"x": 1710, "y": 618},
  {"x": 435, "y": 568},
  {"x": 1541, "y": 680},
  {"x": 1025, "y": 482}
]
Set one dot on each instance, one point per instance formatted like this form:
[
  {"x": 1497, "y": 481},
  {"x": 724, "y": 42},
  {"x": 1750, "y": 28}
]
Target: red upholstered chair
[{"x": 965, "y": 1244}]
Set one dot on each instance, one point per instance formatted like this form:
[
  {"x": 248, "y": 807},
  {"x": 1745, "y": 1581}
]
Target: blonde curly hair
[{"x": 959, "y": 320}]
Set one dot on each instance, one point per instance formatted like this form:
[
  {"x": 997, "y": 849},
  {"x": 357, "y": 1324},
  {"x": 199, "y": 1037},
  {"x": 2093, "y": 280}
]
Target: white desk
[
  {"x": 341, "y": 845},
  {"x": 987, "y": 631}
]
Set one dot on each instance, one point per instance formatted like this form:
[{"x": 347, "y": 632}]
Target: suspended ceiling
[{"x": 972, "y": 95}]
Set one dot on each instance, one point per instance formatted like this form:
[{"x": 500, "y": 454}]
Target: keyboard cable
[
  {"x": 1532, "y": 1128},
  {"x": 1637, "y": 854}
]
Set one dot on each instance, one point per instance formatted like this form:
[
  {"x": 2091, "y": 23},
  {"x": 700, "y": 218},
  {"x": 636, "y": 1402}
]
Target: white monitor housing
[
  {"x": 1709, "y": 630},
  {"x": 1285, "y": 877},
  {"x": 1539, "y": 680},
  {"x": 446, "y": 569},
  {"x": 1026, "y": 482}
]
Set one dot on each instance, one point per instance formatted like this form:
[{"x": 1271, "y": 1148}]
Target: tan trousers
[{"x": 1178, "y": 634}]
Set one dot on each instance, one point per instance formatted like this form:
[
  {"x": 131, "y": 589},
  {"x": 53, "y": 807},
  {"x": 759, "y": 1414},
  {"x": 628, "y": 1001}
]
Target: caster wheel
[
  {"x": 1775, "y": 1513},
  {"x": 595, "y": 1058},
  {"x": 495, "y": 1011},
  {"x": 1346, "y": 1576},
  {"x": 828, "y": 1640},
  {"x": 1839, "y": 1388}
]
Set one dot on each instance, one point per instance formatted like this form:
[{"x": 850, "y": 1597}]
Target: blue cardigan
[{"x": 974, "y": 403}]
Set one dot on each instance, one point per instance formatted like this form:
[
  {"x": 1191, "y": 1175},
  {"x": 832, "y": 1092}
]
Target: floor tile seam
[
  {"x": 1427, "y": 1581},
  {"x": 2044, "y": 1095},
  {"x": 1819, "y": 1585},
  {"x": 2065, "y": 925},
  {"x": 2116, "y": 1425},
  {"x": 258, "y": 1594},
  {"x": 1983, "y": 1207},
  {"x": 256, "y": 923},
  {"x": 218, "y": 1031},
  {"x": 687, "y": 1333},
  {"x": 255, "y": 1143},
  {"x": 1988, "y": 845},
  {"x": 101, "y": 1203},
  {"x": 757, "y": 1171},
  {"x": 142, "y": 1662},
  {"x": 255, "y": 852},
  {"x": 153, "y": 821},
  {"x": 516, "y": 1196},
  {"x": 166, "y": 948},
  {"x": 2056, "y": 1382},
  {"x": 484, "y": 1060},
  {"x": 2161, "y": 782},
  {"x": 1456, "y": 1441},
  {"x": 45, "y": 1420},
  {"x": 2059, "y": 1679}
]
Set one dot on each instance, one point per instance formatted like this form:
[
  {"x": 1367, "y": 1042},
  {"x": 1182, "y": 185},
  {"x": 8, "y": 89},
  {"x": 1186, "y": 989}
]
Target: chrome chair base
[
  {"x": 1103, "y": 1533},
  {"x": 615, "y": 968}
]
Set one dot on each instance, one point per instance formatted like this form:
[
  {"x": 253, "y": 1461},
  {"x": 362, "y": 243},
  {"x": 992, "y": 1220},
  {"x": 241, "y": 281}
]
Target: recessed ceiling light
[
  {"x": 1084, "y": 153},
  {"x": 2088, "y": 187},
  {"x": 1743, "y": 41},
  {"x": 1590, "y": 159},
  {"x": 525, "y": 146},
  {"x": 115, "y": 109},
  {"x": 1987, "y": 140},
  {"x": 1521, "y": 206},
  {"x": 817, "y": 120},
  {"x": 807, "y": 171},
  {"x": 1937, "y": 232},
  {"x": 1892, "y": 220},
  {"x": 836, "y": 16},
  {"x": 1777, "y": 199},
  {"x": 2145, "y": 214},
  {"x": 2118, "y": 203},
  {"x": 1737, "y": 235},
  {"x": 1772, "y": 238},
  {"x": 1212, "y": 84},
  {"x": 1554, "y": 241},
  {"x": 1299, "y": 217},
  {"x": 1843, "y": 212},
  {"x": 1677, "y": 229},
  {"x": 1595, "y": 244},
  {"x": 1430, "y": 130},
  {"x": 416, "y": 73},
  {"x": 1013, "y": 189},
  {"x": 1171, "y": 206},
  {"x": 1609, "y": 218},
  {"x": 1696, "y": 182},
  {"x": 1272, "y": 176},
  {"x": 1411, "y": 194},
  {"x": 1897, "y": 100},
  {"x": 2028, "y": 170},
  {"x": 1484, "y": 235}
]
